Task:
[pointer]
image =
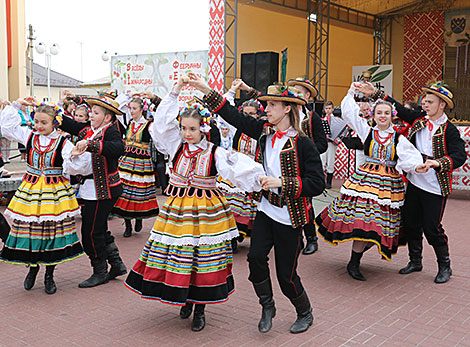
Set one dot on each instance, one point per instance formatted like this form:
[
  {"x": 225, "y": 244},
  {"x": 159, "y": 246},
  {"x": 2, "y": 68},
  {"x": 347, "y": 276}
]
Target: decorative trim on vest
[{"x": 214, "y": 100}]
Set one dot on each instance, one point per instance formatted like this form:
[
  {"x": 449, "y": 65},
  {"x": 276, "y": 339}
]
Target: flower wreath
[
  {"x": 203, "y": 111},
  {"x": 85, "y": 106},
  {"x": 59, "y": 112},
  {"x": 143, "y": 103},
  {"x": 378, "y": 101},
  {"x": 260, "y": 106}
]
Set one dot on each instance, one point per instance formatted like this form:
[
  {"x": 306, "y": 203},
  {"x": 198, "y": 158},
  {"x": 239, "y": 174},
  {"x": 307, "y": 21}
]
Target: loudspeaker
[
  {"x": 248, "y": 72},
  {"x": 267, "y": 70}
]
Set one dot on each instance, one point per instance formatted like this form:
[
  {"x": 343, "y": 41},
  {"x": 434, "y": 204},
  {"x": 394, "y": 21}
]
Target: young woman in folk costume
[
  {"x": 294, "y": 170},
  {"x": 139, "y": 198},
  {"x": 188, "y": 257},
  {"x": 44, "y": 206},
  {"x": 243, "y": 206},
  {"x": 368, "y": 210}
]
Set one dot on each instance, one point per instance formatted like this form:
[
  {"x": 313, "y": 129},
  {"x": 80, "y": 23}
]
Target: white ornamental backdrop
[{"x": 157, "y": 72}]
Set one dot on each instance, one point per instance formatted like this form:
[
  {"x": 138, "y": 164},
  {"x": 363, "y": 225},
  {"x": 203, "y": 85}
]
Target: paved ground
[{"x": 387, "y": 310}]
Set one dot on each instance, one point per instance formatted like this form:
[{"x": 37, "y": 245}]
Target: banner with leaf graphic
[
  {"x": 381, "y": 76},
  {"x": 157, "y": 72},
  {"x": 457, "y": 28}
]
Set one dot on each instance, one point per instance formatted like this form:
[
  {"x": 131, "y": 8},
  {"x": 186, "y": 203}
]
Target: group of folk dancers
[{"x": 264, "y": 188}]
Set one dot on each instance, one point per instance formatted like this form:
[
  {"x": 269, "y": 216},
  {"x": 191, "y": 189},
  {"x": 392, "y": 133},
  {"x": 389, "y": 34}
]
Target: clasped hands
[
  {"x": 79, "y": 148},
  {"x": 429, "y": 164}
]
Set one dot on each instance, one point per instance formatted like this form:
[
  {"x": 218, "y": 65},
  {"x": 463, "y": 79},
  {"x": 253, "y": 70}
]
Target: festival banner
[{"x": 157, "y": 72}]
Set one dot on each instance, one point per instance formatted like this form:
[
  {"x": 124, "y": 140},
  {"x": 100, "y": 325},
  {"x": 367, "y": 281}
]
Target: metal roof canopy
[{"x": 318, "y": 13}]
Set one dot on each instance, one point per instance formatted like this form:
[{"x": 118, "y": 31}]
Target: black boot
[
  {"x": 50, "y": 287},
  {"x": 415, "y": 250},
  {"x": 353, "y": 266},
  {"x": 117, "y": 266},
  {"x": 234, "y": 245},
  {"x": 329, "y": 179},
  {"x": 186, "y": 310},
  {"x": 128, "y": 231},
  {"x": 304, "y": 314},
  {"x": 199, "y": 318},
  {"x": 264, "y": 291},
  {"x": 100, "y": 274},
  {"x": 31, "y": 277},
  {"x": 312, "y": 245},
  {"x": 443, "y": 261},
  {"x": 138, "y": 225}
]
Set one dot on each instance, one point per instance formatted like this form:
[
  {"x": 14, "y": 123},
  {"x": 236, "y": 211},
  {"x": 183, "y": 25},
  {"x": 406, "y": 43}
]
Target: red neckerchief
[
  {"x": 89, "y": 133},
  {"x": 277, "y": 135}
]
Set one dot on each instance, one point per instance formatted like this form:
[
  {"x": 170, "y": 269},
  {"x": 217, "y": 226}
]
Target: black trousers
[
  {"x": 287, "y": 243},
  {"x": 309, "y": 228},
  {"x": 95, "y": 233},
  {"x": 422, "y": 213}
]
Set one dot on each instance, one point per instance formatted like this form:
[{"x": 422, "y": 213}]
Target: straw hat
[
  {"x": 105, "y": 102},
  {"x": 279, "y": 92},
  {"x": 442, "y": 92},
  {"x": 300, "y": 81}
]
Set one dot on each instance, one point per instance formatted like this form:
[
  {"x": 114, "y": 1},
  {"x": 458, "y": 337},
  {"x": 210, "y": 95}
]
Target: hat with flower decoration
[
  {"x": 105, "y": 102},
  {"x": 300, "y": 81},
  {"x": 440, "y": 89},
  {"x": 280, "y": 92}
]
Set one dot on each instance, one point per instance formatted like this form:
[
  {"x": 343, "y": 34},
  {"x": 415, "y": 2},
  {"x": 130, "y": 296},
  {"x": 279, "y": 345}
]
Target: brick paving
[{"x": 387, "y": 310}]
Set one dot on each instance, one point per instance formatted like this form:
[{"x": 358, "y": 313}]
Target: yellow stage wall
[{"x": 261, "y": 29}]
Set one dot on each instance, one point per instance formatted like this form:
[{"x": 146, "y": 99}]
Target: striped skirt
[
  {"x": 368, "y": 209},
  {"x": 139, "y": 198},
  {"x": 188, "y": 257},
  {"x": 47, "y": 243},
  {"x": 243, "y": 207},
  {"x": 43, "y": 201}
]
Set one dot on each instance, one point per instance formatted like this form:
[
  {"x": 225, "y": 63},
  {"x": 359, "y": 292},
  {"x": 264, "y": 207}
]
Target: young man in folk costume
[
  {"x": 312, "y": 126},
  {"x": 101, "y": 187},
  {"x": 443, "y": 150},
  {"x": 294, "y": 174}
]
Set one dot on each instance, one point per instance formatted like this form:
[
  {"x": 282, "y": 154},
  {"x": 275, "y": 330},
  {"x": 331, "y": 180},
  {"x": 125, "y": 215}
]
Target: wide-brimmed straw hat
[
  {"x": 442, "y": 92},
  {"x": 300, "y": 81},
  {"x": 105, "y": 102},
  {"x": 279, "y": 92},
  {"x": 110, "y": 94}
]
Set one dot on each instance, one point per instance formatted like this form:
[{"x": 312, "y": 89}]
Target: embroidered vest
[
  {"x": 246, "y": 145},
  {"x": 103, "y": 179},
  {"x": 44, "y": 161},
  {"x": 379, "y": 152},
  {"x": 135, "y": 140},
  {"x": 439, "y": 150},
  {"x": 193, "y": 172},
  {"x": 289, "y": 158}
]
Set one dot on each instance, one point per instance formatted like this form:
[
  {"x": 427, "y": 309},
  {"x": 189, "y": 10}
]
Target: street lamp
[{"x": 41, "y": 48}]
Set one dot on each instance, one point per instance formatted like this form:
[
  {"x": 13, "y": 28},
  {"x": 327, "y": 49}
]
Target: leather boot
[
  {"x": 199, "y": 318},
  {"x": 138, "y": 225},
  {"x": 234, "y": 245},
  {"x": 186, "y": 310},
  {"x": 415, "y": 250},
  {"x": 31, "y": 277},
  {"x": 304, "y": 314},
  {"x": 128, "y": 231},
  {"x": 117, "y": 266},
  {"x": 49, "y": 284},
  {"x": 353, "y": 266},
  {"x": 100, "y": 274},
  {"x": 443, "y": 261},
  {"x": 312, "y": 245},
  {"x": 264, "y": 291},
  {"x": 329, "y": 179}
]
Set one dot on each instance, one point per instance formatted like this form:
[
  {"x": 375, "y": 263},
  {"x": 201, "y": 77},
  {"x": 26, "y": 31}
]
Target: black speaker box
[{"x": 267, "y": 70}]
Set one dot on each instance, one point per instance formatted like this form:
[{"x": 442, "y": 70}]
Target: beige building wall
[
  {"x": 17, "y": 72},
  {"x": 3, "y": 52}
]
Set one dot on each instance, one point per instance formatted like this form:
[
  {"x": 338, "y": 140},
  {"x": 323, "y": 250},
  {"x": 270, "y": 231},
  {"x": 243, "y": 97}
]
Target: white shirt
[
  {"x": 87, "y": 189},
  {"x": 427, "y": 181},
  {"x": 272, "y": 166},
  {"x": 408, "y": 156},
  {"x": 233, "y": 166}
]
